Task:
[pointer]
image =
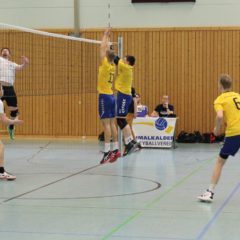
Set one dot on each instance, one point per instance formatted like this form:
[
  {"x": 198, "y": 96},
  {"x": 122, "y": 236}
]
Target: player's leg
[
  {"x": 3, "y": 174},
  {"x": 107, "y": 138},
  {"x": 217, "y": 171},
  {"x": 230, "y": 147},
  {"x": 123, "y": 103},
  {"x": 105, "y": 115},
  {"x": 115, "y": 150},
  {"x": 115, "y": 146},
  {"x": 13, "y": 114},
  {"x": 129, "y": 118},
  {"x": 11, "y": 100},
  {"x": 208, "y": 195}
]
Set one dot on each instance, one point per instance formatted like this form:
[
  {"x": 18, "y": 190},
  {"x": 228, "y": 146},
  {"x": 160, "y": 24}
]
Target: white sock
[
  {"x": 115, "y": 146},
  {"x": 128, "y": 140},
  {"x": 106, "y": 147},
  {"x": 212, "y": 187}
]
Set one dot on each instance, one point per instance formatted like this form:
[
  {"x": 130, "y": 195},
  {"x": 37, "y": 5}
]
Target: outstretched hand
[
  {"x": 25, "y": 60},
  {"x": 107, "y": 31},
  {"x": 18, "y": 122}
]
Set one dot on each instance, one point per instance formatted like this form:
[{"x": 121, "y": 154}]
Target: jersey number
[
  {"x": 237, "y": 103},
  {"x": 111, "y": 78}
]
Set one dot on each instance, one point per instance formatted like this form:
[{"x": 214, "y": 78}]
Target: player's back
[
  {"x": 229, "y": 102},
  {"x": 105, "y": 77},
  {"x": 124, "y": 79}
]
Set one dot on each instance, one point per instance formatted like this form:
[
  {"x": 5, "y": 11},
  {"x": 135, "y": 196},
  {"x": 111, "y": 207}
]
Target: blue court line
[
  {"x": 217, "y": 213},
  {"x": 156, "y": 200}
]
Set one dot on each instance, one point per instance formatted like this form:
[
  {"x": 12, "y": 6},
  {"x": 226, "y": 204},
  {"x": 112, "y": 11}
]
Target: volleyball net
[{"x": 62, "y": 73}]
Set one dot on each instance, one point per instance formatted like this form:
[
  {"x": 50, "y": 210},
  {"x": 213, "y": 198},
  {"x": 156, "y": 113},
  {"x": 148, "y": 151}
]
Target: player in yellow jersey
[
  {"x": 123, "y": 86},
  {"x": 106, "y": 100},
  {"x": 227, "y": 107}
]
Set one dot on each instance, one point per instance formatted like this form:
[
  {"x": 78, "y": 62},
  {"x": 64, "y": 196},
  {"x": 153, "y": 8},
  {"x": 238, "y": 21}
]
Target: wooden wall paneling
[
  {"x": 84, "y": 99},
  {"x": 149, "y": 86},
  {"x": 142, "y": 79},
  {"x": 236, "y": 55},
  {"x": 88, "y": 83},
  {"x": 136, "y": 71},
  {"x": 164, "y": 65},
  {"x": 189, "y": 89},
  {"x": 178, "y": 76},
  {"x": 181, "y": 111},
  {"x": 92, "y": 77},
  {"x": 230, "y": 52},
  {"x": 58, "y": 89},
  {"x": 199, "y": 79},
  {"x": 216, "y": 68},
  {"x": 169, "y": 64},
  {"x": 77, "y": 103},
  {"x": 175, "y": 97},
  {"x": 156, "y": 75},
  {"x": 155, "y": 59},
  {"x": 213, "y": 81},
  {"x": 172, "y": 79},
  {"x": 194, "y": 91},
  {"x": 185, "y": 112},
  {"x": 71, "y": 82},
  {"x": 206, "y": 124},
  {"x": 40, "y": 83}
]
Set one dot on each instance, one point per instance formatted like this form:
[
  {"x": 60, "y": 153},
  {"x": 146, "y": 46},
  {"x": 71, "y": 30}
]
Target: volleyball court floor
[{"x": 62, "y": 193}]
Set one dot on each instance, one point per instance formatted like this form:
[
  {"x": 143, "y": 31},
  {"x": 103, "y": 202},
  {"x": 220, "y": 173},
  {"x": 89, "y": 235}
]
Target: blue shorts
[
  {"x": 106, "y": 106},
  {"x": 123, "y": 103},
  {"x": 230, "y": 147}
]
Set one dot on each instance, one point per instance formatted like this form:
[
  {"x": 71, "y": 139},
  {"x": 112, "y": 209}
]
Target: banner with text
[{"x": 154, "y": 132}]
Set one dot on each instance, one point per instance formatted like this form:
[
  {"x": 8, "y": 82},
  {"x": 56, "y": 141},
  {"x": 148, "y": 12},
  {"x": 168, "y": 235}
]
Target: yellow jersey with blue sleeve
[
  {"x": 106, "y": 74},
  {"x": 229, "y": 103},
  {"x": 124, "y": 79}
]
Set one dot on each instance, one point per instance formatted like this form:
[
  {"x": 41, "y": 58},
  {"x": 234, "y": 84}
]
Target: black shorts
[{"x": 9, "y": 96}]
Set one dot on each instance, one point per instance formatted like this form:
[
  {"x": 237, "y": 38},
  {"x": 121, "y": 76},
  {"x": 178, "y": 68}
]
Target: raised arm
[
  {"x": 25, "y": 62},
  {"x": 105, "y": 43}
]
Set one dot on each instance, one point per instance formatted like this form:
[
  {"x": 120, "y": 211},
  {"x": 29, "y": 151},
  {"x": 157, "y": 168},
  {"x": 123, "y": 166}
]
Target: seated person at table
[
  {"x": 142, "y": 110},
  {"x": 164, "y": 109}
]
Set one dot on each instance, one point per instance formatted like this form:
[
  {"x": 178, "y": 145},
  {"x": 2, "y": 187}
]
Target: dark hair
[
  {"x": 5, "y": 48},
  {"x": 226, "y": 81},
  {"x": 110, "y": 55},
  {"x": 131, "y": 60}
]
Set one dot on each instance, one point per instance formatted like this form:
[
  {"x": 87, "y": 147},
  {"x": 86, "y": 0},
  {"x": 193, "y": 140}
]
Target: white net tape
[{"x": 48, "y": 34}]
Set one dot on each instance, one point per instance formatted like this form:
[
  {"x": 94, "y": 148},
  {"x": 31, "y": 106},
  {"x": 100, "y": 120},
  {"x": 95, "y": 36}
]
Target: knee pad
[
  {"x": 122, "y": 123},
  {"x": 14, "y": 113},
  {"x": 224, "y": 156}
]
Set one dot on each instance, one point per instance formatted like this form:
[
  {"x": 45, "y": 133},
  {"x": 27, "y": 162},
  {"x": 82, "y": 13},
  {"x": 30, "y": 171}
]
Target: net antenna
[
  {"x": 109, "y": 15},
  {"x": 76, "y": 19}
]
